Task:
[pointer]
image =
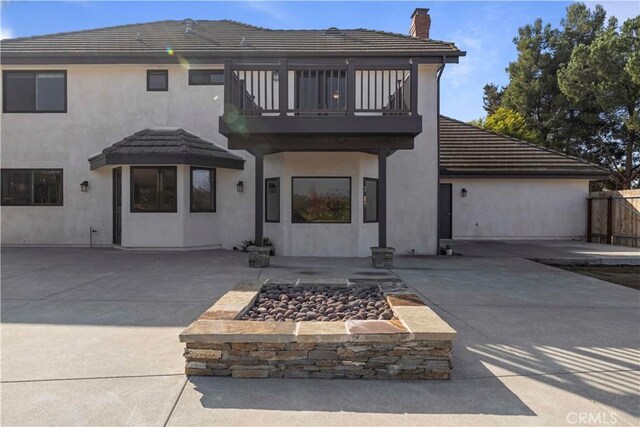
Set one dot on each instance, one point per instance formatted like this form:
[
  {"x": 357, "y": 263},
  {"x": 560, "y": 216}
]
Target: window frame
[
  {"x": 324, "y": 222},
  {"x": 212, "y": 182},
  {"x": 198, "y": 70},
  {"x": 364, "y": 186},
  {"x": 158, "y": 168},
  {"x": 166, "y": 75},
  {"x": 266, "y": 192},
  {"x": 32, "y": 170},
  {"x": 35, "y": 110}
]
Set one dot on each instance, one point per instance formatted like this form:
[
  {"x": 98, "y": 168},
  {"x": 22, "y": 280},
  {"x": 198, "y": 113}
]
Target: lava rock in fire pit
[{"x": 284, "y": 303}]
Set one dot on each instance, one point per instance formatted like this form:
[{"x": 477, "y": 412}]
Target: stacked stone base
[{"x": 349, "y": 360}]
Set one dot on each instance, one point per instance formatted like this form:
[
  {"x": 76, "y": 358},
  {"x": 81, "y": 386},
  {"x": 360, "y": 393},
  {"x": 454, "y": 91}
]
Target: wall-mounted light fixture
[
  {"x": 84, "y": 186},
  {"x": 463, "y": 192},
  {"x": 240, "y": 186},
  {"x": 276, "y": 76}
]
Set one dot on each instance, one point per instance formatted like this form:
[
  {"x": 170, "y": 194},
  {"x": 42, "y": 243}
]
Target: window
[
  {"x": 203, "y": 190},
  {"x": 370, "y": 200},
  {"x": 321, "y": 200},
  {"x": 206, "y": 77},
  {"x": 32, "y": 187},
  {"x": 153, "y": 189},
  {"x": 34, "y": 91},
  {"x": 157, "y": 80},
  {"x": 272, "y": 200}
]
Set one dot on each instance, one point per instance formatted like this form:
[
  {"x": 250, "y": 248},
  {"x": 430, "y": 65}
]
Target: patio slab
[{"x": 534, "y": 343}]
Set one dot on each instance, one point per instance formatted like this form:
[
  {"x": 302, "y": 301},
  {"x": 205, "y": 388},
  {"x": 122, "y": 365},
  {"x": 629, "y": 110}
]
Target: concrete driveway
[{"x": 90, "y": 337}]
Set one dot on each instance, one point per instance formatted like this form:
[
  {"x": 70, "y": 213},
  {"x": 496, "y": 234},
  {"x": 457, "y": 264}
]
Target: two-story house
[
  {"x": 200, "y": 134},
  {"x": 197, "y": 134}
]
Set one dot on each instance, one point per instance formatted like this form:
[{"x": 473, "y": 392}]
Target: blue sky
[{"x": 484, "y": 29}]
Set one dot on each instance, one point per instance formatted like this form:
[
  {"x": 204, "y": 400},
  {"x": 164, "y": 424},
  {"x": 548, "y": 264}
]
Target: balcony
[{"x": 336, "y": 104}]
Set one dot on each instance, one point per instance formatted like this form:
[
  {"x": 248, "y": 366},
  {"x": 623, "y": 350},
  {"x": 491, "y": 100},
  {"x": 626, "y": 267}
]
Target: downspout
[{"x": 439, "y": 74}]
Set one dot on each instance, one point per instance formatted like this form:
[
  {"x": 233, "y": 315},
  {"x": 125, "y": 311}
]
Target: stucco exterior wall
[
  {"x": 412, "y": 192},
  {"x": 109, "y": 102},
  {"x": 519, "y": 208},
  {"x": 105, "y": 104}
]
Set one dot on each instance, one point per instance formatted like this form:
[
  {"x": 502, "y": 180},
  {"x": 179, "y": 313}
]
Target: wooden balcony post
[
  {"x": 351, "y": 87},
  {"x": 283, "y": 87},
  {"x": 227, "y": 85},
  {"x": 382, "y": 198},
  {"x": 259, "y": 175},
  {"x": 414, "y": 88}
]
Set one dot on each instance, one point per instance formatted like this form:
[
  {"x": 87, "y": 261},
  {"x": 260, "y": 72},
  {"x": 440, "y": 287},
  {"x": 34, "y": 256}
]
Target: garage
[{"x": 497, "y": 187}]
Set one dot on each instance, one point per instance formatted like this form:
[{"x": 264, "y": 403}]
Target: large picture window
[
  {"x": 321, "y": 200},
  {"x": 153, "y": 189},
  {"x": 272, "y": 200},
  {"x": 370, "y": 200},
  {"x": 32, "y": 187},
  {"x": 203, "y": 190},
  {"x": 34, "y": 91}
]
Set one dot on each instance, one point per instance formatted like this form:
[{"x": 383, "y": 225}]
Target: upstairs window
[
  {"x": 32, "y": 187},
  {"x": 153, "y": 189},
  {"x": 203, "y": 190},
  {"x": 157, "y": 80},
  {"x": 321, "y": 90},
  {"x": 34, "y": 91},
  {"x": 206, "y": 77}
]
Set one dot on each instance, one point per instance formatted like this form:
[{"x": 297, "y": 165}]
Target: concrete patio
[{"x": 90, "y": 337}]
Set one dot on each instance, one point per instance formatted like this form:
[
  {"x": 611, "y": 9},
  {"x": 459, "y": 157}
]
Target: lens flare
[
  {"x": 184, "y": 62},
  {"x": 170, "y": 51}
]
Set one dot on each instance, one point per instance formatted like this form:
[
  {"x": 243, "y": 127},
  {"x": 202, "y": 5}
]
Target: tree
[
  {"x": 509, "y": 122},
  {"x": 603, "y": 74},
  {"x": 492, "y": 98},
  {"x": 576, "y": 88},
  {"x": 533, "y": 89}
]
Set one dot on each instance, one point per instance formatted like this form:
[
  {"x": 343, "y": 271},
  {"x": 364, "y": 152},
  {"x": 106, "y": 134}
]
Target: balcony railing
[{"x": 274, "y": 98}]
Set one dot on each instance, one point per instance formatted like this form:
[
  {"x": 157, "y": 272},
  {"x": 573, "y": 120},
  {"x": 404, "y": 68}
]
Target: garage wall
[{"x": 519, "y": 208}]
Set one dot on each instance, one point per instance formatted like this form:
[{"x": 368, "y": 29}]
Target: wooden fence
[{"x": 613, "y": 217}]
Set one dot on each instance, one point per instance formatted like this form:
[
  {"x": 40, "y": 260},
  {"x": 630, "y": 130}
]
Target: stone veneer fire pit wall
[{"x": 415, "y": 344}]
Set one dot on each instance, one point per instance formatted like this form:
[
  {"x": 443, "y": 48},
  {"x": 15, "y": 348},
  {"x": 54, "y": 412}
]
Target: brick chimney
[{"x": 420, "y": 23}]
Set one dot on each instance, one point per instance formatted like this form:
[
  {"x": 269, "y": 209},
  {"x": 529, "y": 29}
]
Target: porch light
[
  {"x": 336, "y": 95},
  {"x": 463, "y": 192},
  {"x": 276, "y": 76},
  {"x": 84, "y": 186},
  {"x": 240, "y": 186}
]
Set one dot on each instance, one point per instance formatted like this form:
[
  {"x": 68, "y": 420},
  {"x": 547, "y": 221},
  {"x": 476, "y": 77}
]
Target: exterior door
[
  {"x": 444, "y": 212},
  {"x": 117, "y": 206}
]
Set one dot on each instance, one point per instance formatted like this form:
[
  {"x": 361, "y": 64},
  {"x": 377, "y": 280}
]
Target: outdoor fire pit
[{"x": 328, "y": 328}]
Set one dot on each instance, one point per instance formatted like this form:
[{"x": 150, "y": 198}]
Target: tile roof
[
  {"x": 221, "y": 38},
  {"x": 166, "y": 146},
  {"x": 466, "y": 150}
]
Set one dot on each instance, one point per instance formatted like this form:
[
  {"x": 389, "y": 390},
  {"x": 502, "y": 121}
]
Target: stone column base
[
  {"x": 382, "y": 257},
  {"x": 259, "y": 256}
]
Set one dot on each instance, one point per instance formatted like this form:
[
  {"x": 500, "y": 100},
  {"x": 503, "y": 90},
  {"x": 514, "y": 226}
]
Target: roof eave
[
  {"x": 591, "y": 176},
  {"x": 116, "y": 159},
  {"x": 36, "y": 58}
]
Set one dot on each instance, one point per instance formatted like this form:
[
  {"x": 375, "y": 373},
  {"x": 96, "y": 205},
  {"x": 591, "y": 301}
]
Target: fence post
[
  {"x": 589, "y": 218},
  {"x": 610, "y": 220}
]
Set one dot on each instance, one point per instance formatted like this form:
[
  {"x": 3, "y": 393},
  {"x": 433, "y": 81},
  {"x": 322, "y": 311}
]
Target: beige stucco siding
[{"x": 109, "y": 102}]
